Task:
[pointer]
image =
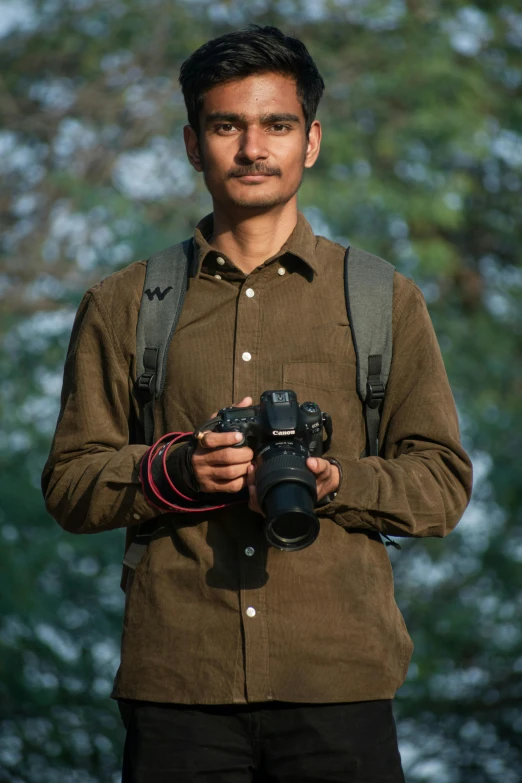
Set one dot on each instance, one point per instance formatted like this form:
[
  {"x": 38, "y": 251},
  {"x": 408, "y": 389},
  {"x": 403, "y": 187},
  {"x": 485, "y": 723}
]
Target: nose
[{"x": 252, "y": 146}]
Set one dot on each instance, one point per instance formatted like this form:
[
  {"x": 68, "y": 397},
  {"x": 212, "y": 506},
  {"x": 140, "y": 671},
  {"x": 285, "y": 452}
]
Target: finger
[
  {"x": 229, "y": 472},
  {"x": 318, "y": 465},
  {"x": 219, "y": 458},
  {"x": 245, "y": 402},
  {"x": 217, "y": 440}
]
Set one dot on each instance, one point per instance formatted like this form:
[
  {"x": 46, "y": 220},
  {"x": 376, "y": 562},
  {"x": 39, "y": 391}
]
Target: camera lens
[{"x": 290, "y": 520}]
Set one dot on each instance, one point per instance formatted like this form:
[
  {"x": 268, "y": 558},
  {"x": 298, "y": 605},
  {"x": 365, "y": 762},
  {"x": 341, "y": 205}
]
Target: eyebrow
[{"x": 266, "y": 119}]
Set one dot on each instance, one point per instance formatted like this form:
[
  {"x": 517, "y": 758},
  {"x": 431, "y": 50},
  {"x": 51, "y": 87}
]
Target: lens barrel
[
  {"x": 287, "y": 492},
  {"x": 290, "y": 521}
]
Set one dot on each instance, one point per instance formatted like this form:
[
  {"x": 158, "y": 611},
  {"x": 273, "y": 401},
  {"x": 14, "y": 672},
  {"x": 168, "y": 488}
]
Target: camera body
[{"x": 282, "y": 434}]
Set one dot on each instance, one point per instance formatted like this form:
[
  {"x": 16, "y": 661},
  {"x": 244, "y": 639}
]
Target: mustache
[{"x": 246, "y": 171}]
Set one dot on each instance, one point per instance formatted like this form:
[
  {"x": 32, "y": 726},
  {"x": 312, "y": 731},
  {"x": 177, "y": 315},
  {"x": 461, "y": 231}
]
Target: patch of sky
[
  {"x": 17, "y": 16},
  {"x": 453, "y": 201},
  {"x": 425, "y": 573},
  {"x": 44, "y": 287},
  {"x": 37, "y": 332},
  {"x": 21, "y": 159},
  {"x": 429, "y": 771},
  {"x": 9, "y": 533},
  {"x": 88, "y": 566},
  {"x": 226, "y": 12},
  {"x": 84, "y": 235},
  {"x": 374, "y": 16},
  {"x": 58, "y": 641},
  {"x": 37, "y": 678},
  {"x": 319, "y": 224},
  {"x": 26, "y": 203},
  {"x": 40, "y": 413},
  {"x": 13, "y": 631},
  {"x": 81, "y": 742},
  {"x": 507, "y": 146},
  {"x": 105, "y": 653},
  {"x": 22, "y": 228},
  {"x": 496, "y": 274},
  {"x": 102, "y": 687},
  {"x": 398, "y": 227},
  {"x": 116, "y": 60},
  {"x": 459, "y": 683},
  {"x": 55, "y": 94},
  {"x": 314, "y": 10},
  {"x": 412, "y": 172},
  {"x": 72, "y": 137},
  {"x": 154, "y": 173},
  {"x": 468, "y": 30},
  {"x": 108, "y": 587},
  {"x": 73, "y": 617},
  {"x": 11, "y": 748},
  {"x": 17, "y": 441},
  {"x": 498, "y": 305},
  {"x": 430, "y": 290},
  {"x": 138, "y": 100}
]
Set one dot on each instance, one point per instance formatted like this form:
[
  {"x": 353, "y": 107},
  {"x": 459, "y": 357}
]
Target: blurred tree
[{"x": 422, "y": 164}]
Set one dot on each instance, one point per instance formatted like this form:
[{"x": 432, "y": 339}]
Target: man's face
[{"x": 252, "y": 146}]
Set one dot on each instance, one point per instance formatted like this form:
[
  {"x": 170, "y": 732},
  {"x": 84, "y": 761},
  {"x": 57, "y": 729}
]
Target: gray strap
[
  {"x": 368, "y": 284},
  {"x": 166, "y": 282},
  {"x": 162, "y": 300}
]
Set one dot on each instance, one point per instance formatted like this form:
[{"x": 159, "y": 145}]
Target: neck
[{"x": 250, "y": 238}]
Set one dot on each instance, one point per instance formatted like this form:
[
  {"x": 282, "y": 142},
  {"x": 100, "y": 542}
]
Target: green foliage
[{"x": 421, "y": 163}]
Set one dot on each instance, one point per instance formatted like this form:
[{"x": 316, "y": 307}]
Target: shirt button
[
  {"x": 136, "y": 516},
  {"x": 281, "y": 270},
  {"x": 246, "y": 356},
  {"x": 220, "y": 260},
  {"x": 249, "y": 551},
  {"x": 250, "y": 292},
  {"x": 251, "y": 612},
  {"x": 218, "y": 277}
]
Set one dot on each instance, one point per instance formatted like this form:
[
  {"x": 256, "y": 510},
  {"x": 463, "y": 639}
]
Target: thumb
[
  {"x": 312, "y": 463},
  {"x": 245, "y": 402}
]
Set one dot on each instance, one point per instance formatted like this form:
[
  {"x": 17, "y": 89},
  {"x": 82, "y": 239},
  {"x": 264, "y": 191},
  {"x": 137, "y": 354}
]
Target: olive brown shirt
[{"x": 213, "y": 614}]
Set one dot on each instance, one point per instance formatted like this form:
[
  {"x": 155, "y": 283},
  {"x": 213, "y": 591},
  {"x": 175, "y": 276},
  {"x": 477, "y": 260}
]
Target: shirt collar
[{"x": 301, "y": 243}]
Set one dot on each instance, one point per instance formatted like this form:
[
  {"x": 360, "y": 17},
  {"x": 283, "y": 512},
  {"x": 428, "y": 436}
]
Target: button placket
[{"x": 248, "y": 316}]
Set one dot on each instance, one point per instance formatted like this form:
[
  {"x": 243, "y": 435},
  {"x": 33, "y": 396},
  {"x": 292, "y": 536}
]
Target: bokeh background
[{"x": 421, "y": 164}]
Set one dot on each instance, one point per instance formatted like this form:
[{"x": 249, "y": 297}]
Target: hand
[
  {"x": 217, "y": 466},
  {"x": 326, "y": 474}
]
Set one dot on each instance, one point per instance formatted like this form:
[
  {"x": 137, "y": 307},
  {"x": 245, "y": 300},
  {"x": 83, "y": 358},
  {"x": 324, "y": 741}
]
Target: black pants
[{"x": 273, "y": 741}]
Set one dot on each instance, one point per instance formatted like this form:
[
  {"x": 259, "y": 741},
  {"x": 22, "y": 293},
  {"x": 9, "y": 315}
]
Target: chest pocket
[{"x": 333, "y": 388}]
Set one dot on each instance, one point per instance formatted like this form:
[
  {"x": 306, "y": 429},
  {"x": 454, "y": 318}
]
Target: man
[{"x": 239, "y": 661}]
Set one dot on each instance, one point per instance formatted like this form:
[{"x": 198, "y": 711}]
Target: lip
[{"x": 254, "y": 177}]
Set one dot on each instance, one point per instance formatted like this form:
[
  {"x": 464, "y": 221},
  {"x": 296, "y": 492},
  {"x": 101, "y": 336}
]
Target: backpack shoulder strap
[
  {"x": 166, "y": 283},
  {"x": 164, "y": 289},
  {"x": 368, "y": 285}
]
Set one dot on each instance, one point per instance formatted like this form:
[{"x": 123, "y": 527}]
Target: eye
[
  {"x": 225, "y": 127},
  {"x": 279, "y": 126}
]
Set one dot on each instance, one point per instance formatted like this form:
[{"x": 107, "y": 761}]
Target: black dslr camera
[{"x": 282, "y": 434}]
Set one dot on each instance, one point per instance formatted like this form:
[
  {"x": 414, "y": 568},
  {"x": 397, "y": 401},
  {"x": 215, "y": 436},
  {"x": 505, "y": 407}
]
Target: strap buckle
[
  {"x": 147, "y": 383},
  {"x": 374, "y": 393}
]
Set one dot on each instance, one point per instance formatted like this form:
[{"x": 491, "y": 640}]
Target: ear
[
  {"x": 313, "y": 144},
  {"x": 192, "y": 147}
]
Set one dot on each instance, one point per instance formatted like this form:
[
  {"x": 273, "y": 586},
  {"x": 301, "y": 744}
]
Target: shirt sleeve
[
  {"x": 420, "y": 484},
  {"x": 91, "y": 480}
]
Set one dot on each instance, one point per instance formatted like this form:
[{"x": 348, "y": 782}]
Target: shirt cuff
[{"x": 356, "y": 493}]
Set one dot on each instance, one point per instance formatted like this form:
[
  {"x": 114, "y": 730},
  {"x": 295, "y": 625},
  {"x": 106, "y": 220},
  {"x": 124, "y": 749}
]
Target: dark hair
[{"x": 245, "y": 52}]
